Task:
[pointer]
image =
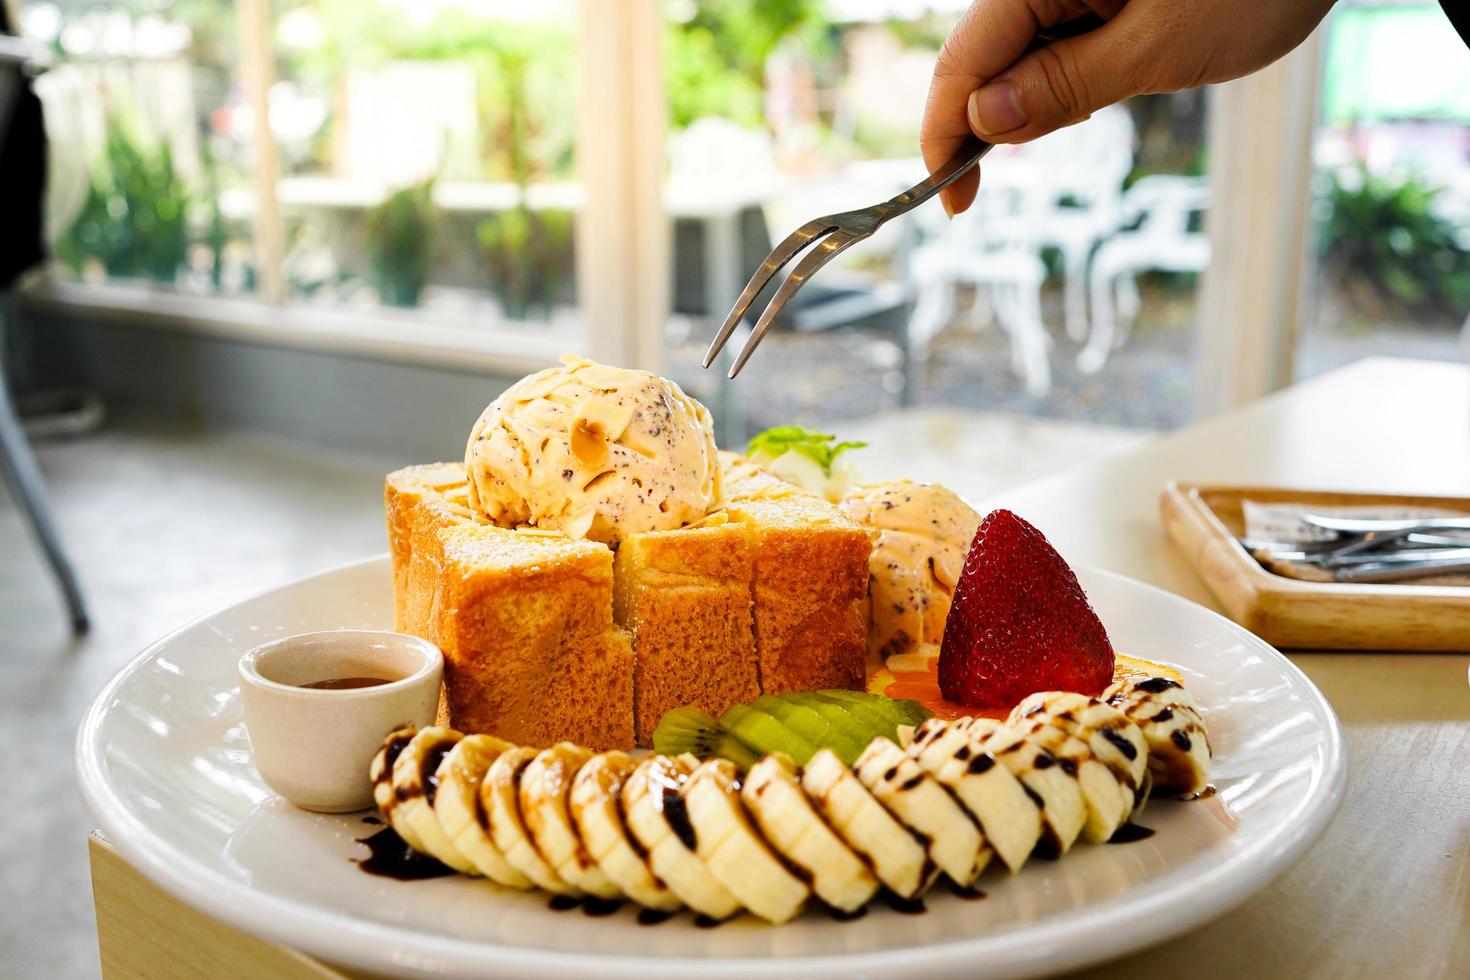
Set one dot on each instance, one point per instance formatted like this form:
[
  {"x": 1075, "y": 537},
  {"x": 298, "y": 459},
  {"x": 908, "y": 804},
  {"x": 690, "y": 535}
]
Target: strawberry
[{"x": 1019, "y": 623}]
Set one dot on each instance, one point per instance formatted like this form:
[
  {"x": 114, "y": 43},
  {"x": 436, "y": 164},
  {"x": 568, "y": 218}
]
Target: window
[
  {"x": 414, "y": 157},
  {"x": 150, "y": 174},
  {"x": 477, "y": 174},
  {"x": 427, "y": 156},
  {"x": 1392, "y": 155}
]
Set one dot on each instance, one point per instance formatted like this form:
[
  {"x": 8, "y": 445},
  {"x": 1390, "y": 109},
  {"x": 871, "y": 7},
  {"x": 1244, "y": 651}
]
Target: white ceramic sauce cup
[{"x": 314, "y": 746}]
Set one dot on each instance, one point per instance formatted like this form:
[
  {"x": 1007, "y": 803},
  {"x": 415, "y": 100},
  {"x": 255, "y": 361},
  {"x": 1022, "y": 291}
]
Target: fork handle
[
  {"x": 969, "y": 154},
  {"x": 973, "y": 148}
]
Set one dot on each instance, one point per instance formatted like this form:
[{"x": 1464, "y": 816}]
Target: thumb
[{"x": 1056, "y": 85}]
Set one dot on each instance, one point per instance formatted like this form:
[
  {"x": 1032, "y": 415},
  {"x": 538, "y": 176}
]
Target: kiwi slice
[
  {"x": 913, "y": 712},
  {"x": 799, "y": 717},
  {"x": 852, "y": 734},
  {"x": 688, "y": 729},
  {"x": 902, "y": 711},
  {"x": 763, "y": 733},
  {"x": 872, "y": 718}
]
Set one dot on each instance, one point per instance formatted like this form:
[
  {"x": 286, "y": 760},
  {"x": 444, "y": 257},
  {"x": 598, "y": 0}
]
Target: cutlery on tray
[{"x": 1377, "y": 549}]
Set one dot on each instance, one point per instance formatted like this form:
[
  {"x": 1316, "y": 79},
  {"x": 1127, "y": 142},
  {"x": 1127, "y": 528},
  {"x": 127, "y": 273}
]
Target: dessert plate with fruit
[{"x": 706, "y": 712}]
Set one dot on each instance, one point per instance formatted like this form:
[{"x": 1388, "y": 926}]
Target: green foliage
[
  {"x": 526, "y": 75},
  {"x": 525, "y": 252},
  {"x": 1389, "y": 247},
  {"x": 402, "y": 231},
  {"x": 700, "y": 85},
  {"x": 745, "y": 32},
  {"x": 715, "y": 62},
  {"x": 134, "y": 220},
  {"x": 816, "y": 446},
  {"x": 927, "y": 33}
]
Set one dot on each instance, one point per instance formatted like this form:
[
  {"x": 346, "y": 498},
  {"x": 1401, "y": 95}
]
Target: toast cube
[
  {"x": 419, "y": 502},
  {"x": 809, "y": 583},
  {"x": 524, "y": 618},
  {"x": 685, "y": 596},
  {"x": 531, "y": 653}
]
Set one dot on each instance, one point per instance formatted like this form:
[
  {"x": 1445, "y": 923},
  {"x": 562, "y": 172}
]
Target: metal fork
[{"x": 843, "y": 230}]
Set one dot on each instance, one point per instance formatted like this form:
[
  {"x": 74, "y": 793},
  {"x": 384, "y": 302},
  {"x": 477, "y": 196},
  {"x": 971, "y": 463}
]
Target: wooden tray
[{"x": 1205, "y": 522}]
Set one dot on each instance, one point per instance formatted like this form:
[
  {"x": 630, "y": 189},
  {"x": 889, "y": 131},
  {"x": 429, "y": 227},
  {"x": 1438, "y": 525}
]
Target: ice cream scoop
[
  {"x": 593, "y": 451},
  {"x": 921, "y": 532}
]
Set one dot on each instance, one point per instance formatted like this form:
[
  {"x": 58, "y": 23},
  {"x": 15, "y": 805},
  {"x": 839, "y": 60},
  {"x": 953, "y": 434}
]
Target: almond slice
[
  {"x": 588, "y": 442},
  {"x": 614, "y": 417},
  {"x": 606, "y": 378},
  {"x": 577, "y": 525},
  {"x": 540, "y": 384}
]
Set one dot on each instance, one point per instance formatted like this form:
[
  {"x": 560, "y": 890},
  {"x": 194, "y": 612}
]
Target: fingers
[
  {"x": 990, "y": 36},
  {"x": 1059, "y": 84}
]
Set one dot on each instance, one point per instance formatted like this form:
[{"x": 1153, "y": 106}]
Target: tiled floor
[
  {"x": 164, "y": 527},
  {"x": 167, "y": 524}
]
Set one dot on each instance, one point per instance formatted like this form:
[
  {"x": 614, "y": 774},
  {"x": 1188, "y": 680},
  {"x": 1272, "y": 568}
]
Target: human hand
[{"x": 991, "y": 81}]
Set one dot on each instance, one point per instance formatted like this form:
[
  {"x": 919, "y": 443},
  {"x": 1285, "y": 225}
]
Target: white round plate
[{"x": 165, "y": 767}]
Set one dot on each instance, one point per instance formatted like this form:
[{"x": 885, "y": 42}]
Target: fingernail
[
  {"x": 948, "y": 208},
  {"x": 995, "y": 109}
]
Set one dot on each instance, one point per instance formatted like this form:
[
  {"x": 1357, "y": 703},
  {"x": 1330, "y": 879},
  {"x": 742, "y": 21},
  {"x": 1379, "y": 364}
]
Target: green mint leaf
[{"x": 816, "y": 446}]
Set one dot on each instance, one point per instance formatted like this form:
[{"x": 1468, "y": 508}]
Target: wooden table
[{"x": 1386, "y": 892}]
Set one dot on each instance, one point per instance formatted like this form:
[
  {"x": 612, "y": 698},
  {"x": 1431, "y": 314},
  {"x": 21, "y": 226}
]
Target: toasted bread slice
[
  {"x": 685, "y": 596},
  {"x": 421, "y": 501},
  {"x": 531, "y": 653},
  {"x": 809, "y": 582}
]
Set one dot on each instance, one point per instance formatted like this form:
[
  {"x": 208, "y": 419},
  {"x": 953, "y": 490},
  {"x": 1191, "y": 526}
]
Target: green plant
[
  {"x": 401, "y": 235},
  {"x": 715, "y": 61},
  {"x": 533, "y": 62},
  {"x": 525, "y": 252},
  {"x": 134, "y": 220},
  {"x": 700, "y": 85},
  {"x": 216, "y": 235},
  {"x": 1384, "y": 241},
  {"x": 819, "y": 447}
]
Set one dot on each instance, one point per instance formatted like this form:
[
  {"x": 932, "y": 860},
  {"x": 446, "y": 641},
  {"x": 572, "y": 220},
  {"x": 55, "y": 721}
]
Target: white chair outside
[
  {"x": 991, "y": 246},
  {"x": 1163, "y": 206},
  {"x": 1077, "y": 175}
]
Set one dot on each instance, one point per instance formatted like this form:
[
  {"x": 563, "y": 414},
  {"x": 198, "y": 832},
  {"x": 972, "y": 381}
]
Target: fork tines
[
  {"x": 829, "y": 248},
  {"x": 842, "y": 230}
]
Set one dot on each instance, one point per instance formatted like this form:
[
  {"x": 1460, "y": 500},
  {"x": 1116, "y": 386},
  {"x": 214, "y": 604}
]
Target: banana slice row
[{"x": 673, "y": 832}]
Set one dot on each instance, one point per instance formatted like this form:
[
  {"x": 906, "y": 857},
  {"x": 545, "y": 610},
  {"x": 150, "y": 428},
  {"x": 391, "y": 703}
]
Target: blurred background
[
  {"x": 297, "y": 243},
  {"x": 419, "y": 167}
]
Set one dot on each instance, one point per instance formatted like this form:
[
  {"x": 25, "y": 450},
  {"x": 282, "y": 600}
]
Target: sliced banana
[
  {"x": 1115, "y": 741},
  {"x": 380, "y": 771},
  {"x": 1178, "y": 747},
  {"x": 734, "y": 850},
  {"x": 659, "y": 820},
  {"x": 500, "y": 797},
  {"x": 1009, "y": 816},
  {"x": 415, "y": 787},
  {"x": 671, "y": 831},
  {"x": 1107, "y": 800},
  {"x": 597, "y": 811},
  {"x": 899, "y": 860},
  {"x": 1063, "y": 812},
  {"x": 918, "y": 800},
  {"x": 545, "y": 785},
  {"x": 798, "y": 833},
  {"x": 457, "y": 806}
]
